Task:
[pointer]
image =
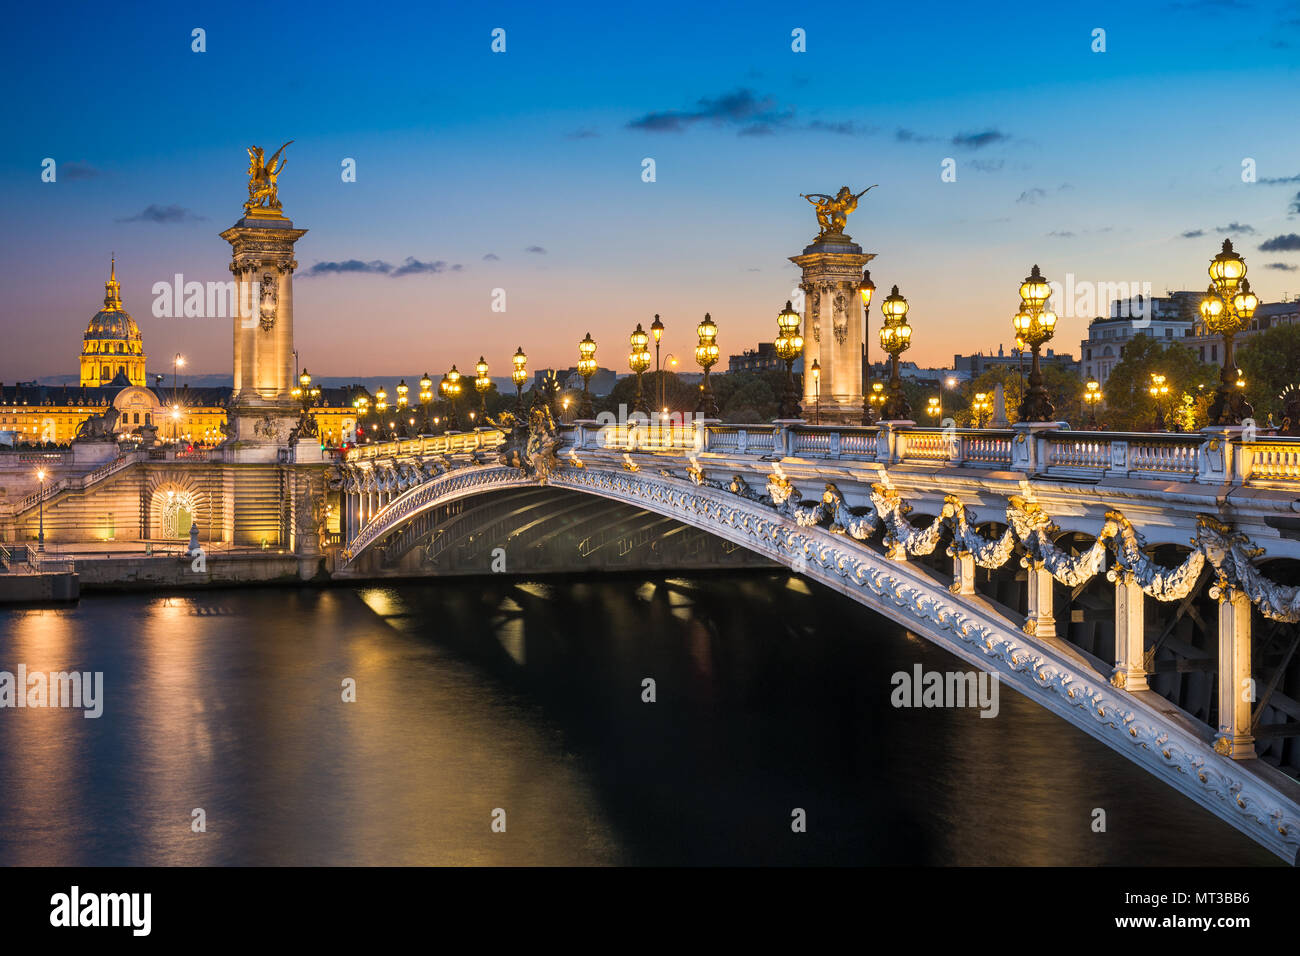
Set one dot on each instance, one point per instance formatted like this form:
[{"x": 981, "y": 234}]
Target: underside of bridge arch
[{"x": 537, "y": 529}]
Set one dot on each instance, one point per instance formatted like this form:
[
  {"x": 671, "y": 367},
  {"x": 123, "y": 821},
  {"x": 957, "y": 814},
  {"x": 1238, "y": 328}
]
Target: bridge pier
[
  {"x": 1236, "y": 689},
  {"x": 1039, "y": 620},
  {"x": 1130, "y": 633}
]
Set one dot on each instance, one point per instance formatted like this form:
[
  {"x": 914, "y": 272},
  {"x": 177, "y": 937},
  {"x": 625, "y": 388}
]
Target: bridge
[{"x": 1036, "y": 553}]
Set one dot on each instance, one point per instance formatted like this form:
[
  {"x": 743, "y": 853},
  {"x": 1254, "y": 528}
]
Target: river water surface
[{"x": 481, "y": 695}]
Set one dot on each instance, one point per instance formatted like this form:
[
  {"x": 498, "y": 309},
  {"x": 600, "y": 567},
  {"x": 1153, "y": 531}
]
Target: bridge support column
[
  {"x": 1039, "y": 620},
  {"x": 963, "y": 573},
  {"x": 1130, "y": 633},
  {"x": 1236, "y": 689}
]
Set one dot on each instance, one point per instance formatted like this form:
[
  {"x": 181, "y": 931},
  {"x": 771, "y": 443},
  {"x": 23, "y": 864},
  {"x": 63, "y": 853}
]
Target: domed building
[{"x": 112, "y": 345}]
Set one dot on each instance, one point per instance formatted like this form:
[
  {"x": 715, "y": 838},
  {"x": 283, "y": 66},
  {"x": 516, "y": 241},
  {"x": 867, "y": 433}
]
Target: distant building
[
  {"x": 1167, "y": 319},
  {"x": 756, "y": 360},
  {"x": 968, "y": 367}
]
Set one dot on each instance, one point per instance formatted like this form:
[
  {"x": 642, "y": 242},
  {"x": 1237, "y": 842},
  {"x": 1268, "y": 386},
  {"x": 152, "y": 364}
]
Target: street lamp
[
  {"x": 482, "y": 383},
  {"x": 1092, "y": 396},
  {"x": 1227, "y": 308},
  {"x": 40, "y": 533},
  {"x": 789, "y": 346},
  {"x": 866, "y": 289},
  {"x": 817, "y": 391},
  {"x": 639, "y": 360},
  {"x": 657, "y": 330},
  {"x": 979, "y": 406},
  {"x": 895, "y": 338},
  {"x": 877, "y": 399},
  {"x": 426, "y": 396},
  {"x": 1035, "y": 325},
  {"x": 586, "y": 368},
  {"x": 518, "y": 375},
  {"x": 1159, "y": 390},
  {"x": 402, "y": 390},
  {"x": 706, "y": 356},
  {"x": 933, "y": 408},
  {"x": 451, "y": 387}
]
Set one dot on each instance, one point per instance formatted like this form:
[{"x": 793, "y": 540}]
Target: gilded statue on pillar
[
  {"x": 262, "y": 190},
  {"x": 833, "y": 211}
]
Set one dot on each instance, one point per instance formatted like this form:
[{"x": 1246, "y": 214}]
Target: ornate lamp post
[
  {"x": 657, "y": 330},
  {"x": 1159, "y": 392},
  {"x": 586, "y": 368},
  {"x": 876, "y": 399},
  {"x": 895, "y": 338},
  {"x": 979, "y": 406},
  {"x": 1227, "y": 308},
  {"x": 639, "y": 360},
  {"x": 1092, "y": 397},
  {"x": 706, "y": 356},
  {"x": 452, "y": 389},
  {"x": 426, "y": 396},
  {"x": 816, "y": 371},
  {"x": 518, "y": 375},
  {"x": 1035, "y": 325},
  {"x": 40, "y": 533},
  {"x": 933, "y": 408},
  {"x": 482, "y": 383},
  {"x": 789, "y": 346},
  {"x": 866, "y": 289}
]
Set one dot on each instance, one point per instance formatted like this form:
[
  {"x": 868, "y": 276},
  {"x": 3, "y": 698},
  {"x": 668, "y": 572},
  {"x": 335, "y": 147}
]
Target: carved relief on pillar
[{"x": 841, "y": 315}]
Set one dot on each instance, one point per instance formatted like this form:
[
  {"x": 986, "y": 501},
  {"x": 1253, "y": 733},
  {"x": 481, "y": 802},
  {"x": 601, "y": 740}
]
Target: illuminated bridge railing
[
  {"x": 1203, "y": 458},
  {"x": 452, "y": 443}
]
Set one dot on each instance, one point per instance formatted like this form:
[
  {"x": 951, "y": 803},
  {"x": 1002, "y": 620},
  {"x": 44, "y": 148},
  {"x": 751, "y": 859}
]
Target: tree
[
  {"x": 1129, "y": 404},
  {"x": 1270, "y": 362}
]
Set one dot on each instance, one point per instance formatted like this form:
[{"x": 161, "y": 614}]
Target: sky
[{"x": 522, "y": 170}]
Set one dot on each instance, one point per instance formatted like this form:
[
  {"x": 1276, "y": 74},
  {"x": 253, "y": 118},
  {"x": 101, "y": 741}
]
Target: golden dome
[
  {"x": 112, "y": 321},
  {"x": 112, "y": 342}
]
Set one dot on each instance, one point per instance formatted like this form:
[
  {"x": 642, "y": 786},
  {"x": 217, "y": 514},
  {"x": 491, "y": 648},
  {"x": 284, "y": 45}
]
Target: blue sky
[{"x": 1095, "y": 164}]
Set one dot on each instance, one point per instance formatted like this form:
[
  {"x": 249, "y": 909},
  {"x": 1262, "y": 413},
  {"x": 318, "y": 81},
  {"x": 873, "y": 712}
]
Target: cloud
[
  {"x": 979, "y": 140},
  {"x": 749, "y": 113},
  {"x": 491, "y": 257},
  {"x": 76, "y": 170},
  {"x": 414, "y": 267},
  {"x": 1193, "y": 234},
  {"x": 911, "y": 136},
  {"x": 536, "y": 250},
  {"x": 411, "y": 266},
  {"x": 985, "y": 165},
  {"x": 1057, "y": 234},
  {"x": 1032, "y": 195},
  {"x": 740, "y": 108},
  {"x": 846, "y": 128},
  {"x": 1235, "y": 226},
  {"x": 1278, "y": 181},
  {"x": 1294, "y": 208},
  {"x": 163, "y": 214},
  {"x": 583, "y": 133},
  {"x": 1281, "y": 266},
  {"x": 1288, "y": 243}
]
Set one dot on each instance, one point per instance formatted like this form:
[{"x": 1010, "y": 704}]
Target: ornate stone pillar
[
  {"x": 262, "y": 261},
  {"x": 832, "y": 269},
  {"x": 1039, "y": 620},
  {"x": 1236, "y": 688},
  {"x": 1130, "y": 632}
]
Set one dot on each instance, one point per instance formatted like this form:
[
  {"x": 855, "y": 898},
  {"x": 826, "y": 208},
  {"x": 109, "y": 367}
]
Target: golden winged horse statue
[{"x": 262, "y": 192}]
